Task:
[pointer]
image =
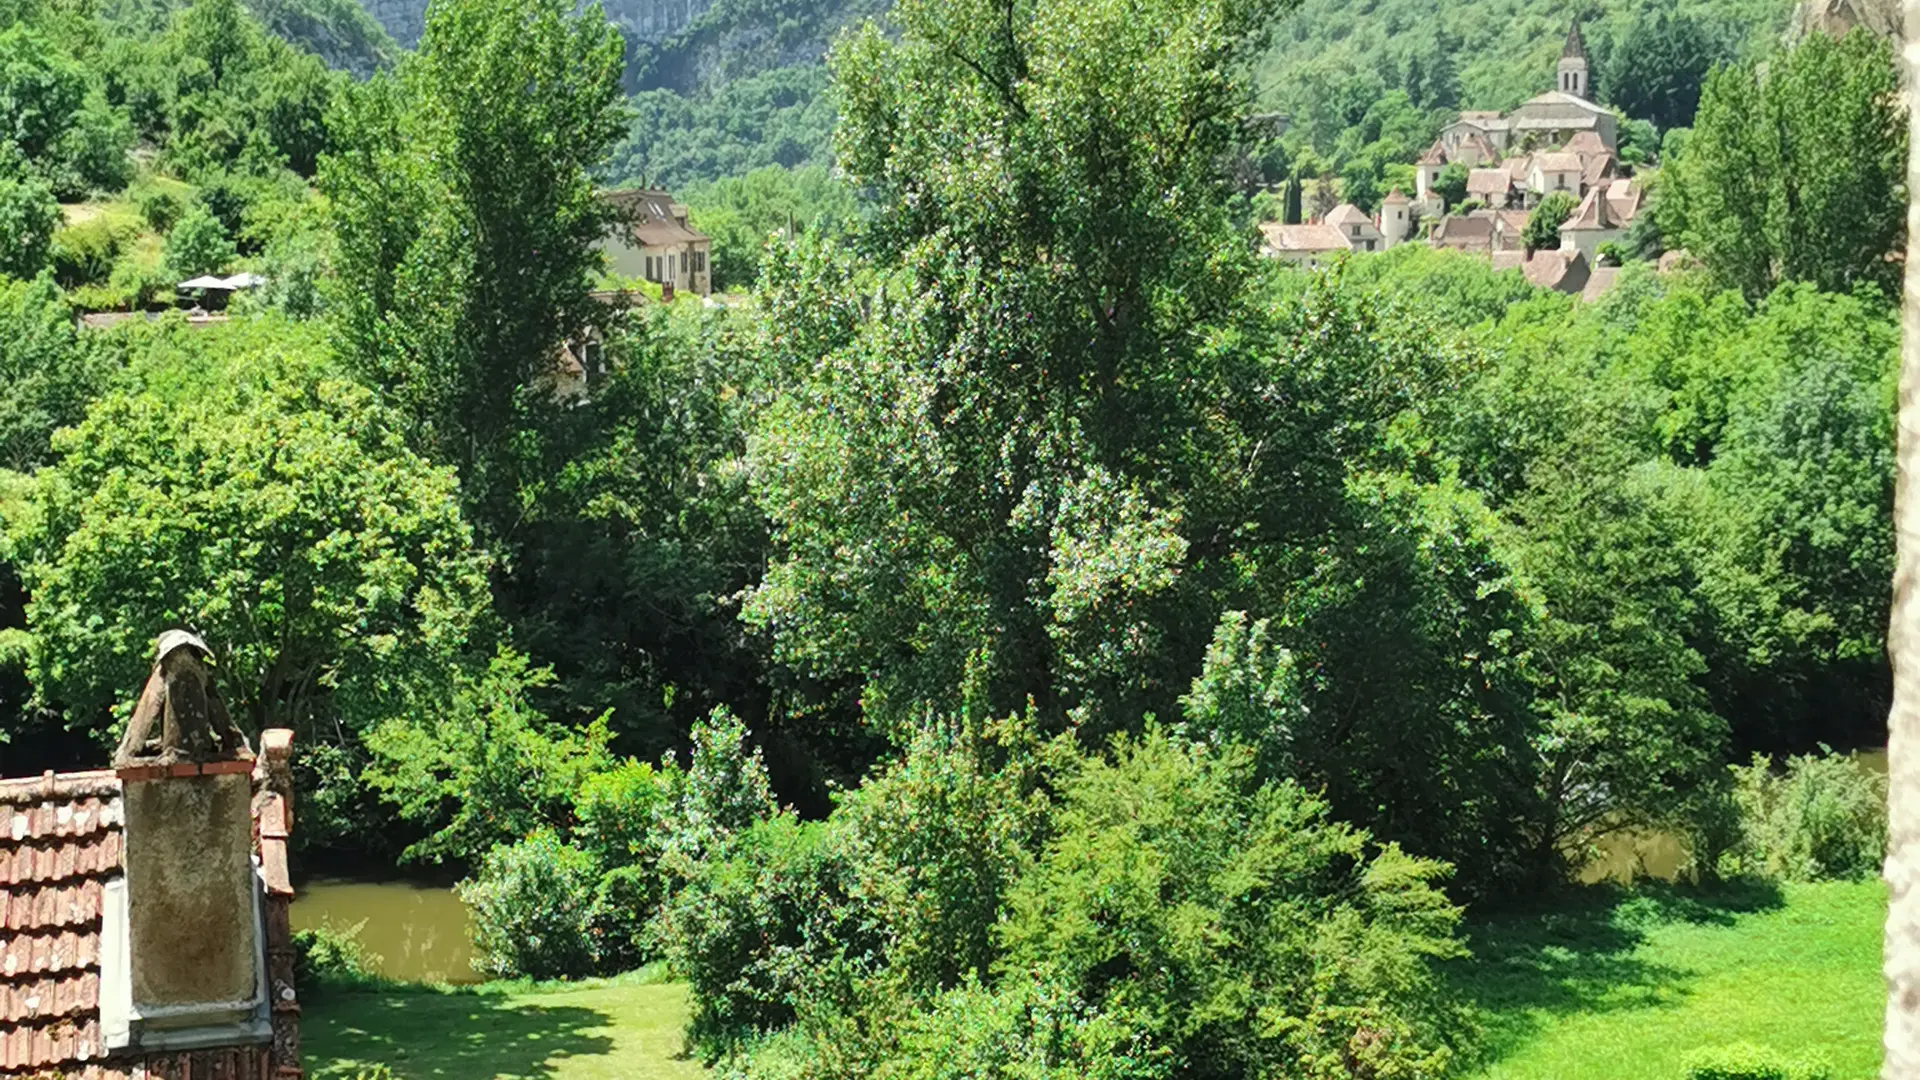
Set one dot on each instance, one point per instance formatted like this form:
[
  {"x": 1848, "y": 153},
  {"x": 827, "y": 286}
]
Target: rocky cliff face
[
  {"x": 1837, "y": 17},
  {"x": 641, "y": 20}
]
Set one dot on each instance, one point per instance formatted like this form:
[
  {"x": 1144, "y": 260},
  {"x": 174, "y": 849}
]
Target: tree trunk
[{"x": 1902, "y": 958}]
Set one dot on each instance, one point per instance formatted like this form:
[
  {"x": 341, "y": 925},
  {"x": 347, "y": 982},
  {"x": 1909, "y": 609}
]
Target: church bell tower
[{"x": 1573, "y": 65}]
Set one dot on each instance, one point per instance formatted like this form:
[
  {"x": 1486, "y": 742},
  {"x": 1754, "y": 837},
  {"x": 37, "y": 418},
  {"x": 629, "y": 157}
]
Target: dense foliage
[
  {"x": 1797, "y": 175},
  {"x": 1017, "y": 632}
]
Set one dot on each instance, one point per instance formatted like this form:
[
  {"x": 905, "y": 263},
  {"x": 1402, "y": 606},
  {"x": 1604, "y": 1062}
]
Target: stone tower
[
  {"x": 1396, "y": 217},
  {"x": 1573, "y": 65}
]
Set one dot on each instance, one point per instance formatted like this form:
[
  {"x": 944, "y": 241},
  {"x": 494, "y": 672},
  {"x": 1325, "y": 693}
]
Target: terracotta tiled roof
[
  {"x": 1594, "y": 214},
  {"x": 1595, "y": 169},
  {"x": 1558, "y": 162},
  {"x": 1395, "y": 197},
  {"x": 1565, "y": 271},
  {"x": 1518, "y": 167},
  {"x": 1489, "y": 183},
  {"x": 1348, "y": 214},
  {"x": 60, "y": 845},
  {"x": 1435, "y": 155},
  {"x": 1623, "y": 200},
  {"x": 1599, "y": 283},
  {"x": 653, "y": 216},
  {"x": 1302, "y": 238},
  {"x": 1586, "y": 142},
  {"x": 1479, "y": 143},
  {"x": 1466, "y": 232}
]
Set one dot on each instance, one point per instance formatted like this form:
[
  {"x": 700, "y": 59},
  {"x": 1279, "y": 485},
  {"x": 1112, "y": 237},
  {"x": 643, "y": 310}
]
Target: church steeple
[
  {"x": 1572, "y": 71},
  {"x": 1576, "y": 48}
]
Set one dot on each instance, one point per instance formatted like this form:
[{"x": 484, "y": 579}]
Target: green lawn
[
  {"x": 600, "y": 1030},
  {"x": 1624, "y": 987},
  {"x": 1609, "y": 986}
]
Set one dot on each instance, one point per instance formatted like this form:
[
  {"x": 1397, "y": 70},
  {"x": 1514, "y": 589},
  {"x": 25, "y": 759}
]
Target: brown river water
[
  {"x": 421, "y": 933},
  {"x": 413, "y": 932},
  {"x": 1627, "y": 856}
]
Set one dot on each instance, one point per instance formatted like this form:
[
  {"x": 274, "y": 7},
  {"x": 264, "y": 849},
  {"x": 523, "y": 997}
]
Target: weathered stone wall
[
  {"x": 190, "y": 889},
  {"x": 643, "y": 20}
]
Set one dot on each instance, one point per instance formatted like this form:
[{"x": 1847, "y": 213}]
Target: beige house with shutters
[{"x": 654, "y": 242}]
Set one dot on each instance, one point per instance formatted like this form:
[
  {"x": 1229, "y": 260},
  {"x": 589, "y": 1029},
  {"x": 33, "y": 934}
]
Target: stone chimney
[{"x": 187, "y": 939}]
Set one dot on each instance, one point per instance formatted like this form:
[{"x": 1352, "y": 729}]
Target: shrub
[
  {"x": 938, "y": 841},
  {"x": 1033, "y": 1027},
  {"x": 725, "y": 789},
  {"x": 533, "y": 907},
  {"x": 1743, "y": 1061},
  {"x": 764, "y": 926},
  {"x": 84, "y": 253},
  {"x": 621, "y": 810},
  {"x": 1179, "y": 891},
  {"x": 159, "y": 206},
  {"x": 328, "y": 957},
  {"x": 1823, "y": 818}
]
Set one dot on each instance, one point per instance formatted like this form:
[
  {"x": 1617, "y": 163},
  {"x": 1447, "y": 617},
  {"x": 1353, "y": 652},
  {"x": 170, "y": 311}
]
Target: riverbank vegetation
[{"x": 1024, "y": 633}]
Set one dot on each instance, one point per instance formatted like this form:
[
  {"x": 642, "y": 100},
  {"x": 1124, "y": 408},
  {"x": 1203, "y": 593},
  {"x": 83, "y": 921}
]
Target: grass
[
  {"x": 599, "y": 1029},
  {"x": 1626, "y": 985}
]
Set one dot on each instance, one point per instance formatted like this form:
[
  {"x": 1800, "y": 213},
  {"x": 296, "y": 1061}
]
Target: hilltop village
[{"x": 1557, "y": 143}]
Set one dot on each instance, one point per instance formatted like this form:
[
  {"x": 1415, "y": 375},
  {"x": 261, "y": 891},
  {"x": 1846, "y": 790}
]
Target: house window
[
  {"x": 1355, "y": 228},
  {"x": 1560, "y": 181},
  {"x": 1369, "y": 245},
  {"x": 683, "y": 262},
  {"x": 699, "y": 262}
]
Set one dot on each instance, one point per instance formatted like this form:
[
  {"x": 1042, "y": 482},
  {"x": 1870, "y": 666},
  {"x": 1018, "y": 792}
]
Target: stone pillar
[{"x": 191, "y": 923}]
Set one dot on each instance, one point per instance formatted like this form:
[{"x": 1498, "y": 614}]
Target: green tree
[
  {"x": 48, "y": 370},
  {"x": 28, "y": 216},
  {"x": 239, "y": 488},
  {"x": 1542, "y": 231},
  {"x": 41, "y": 91},
  {"x": 1179, "y": 890},
  {"x": 467, "y": 222},
  {"x": 1014, "y": 450},
  {"x": 198, "y": 244},
  {"x": 1797, "y": 176},
  {"x": 1656, "y": 71},
  {"x": 741, "y": 212},
  {"x": 1360, "y": 184},
  {"x": 1452, "y": 184}
]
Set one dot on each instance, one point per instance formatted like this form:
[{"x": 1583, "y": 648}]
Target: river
[{"x": 412, "y": 932}]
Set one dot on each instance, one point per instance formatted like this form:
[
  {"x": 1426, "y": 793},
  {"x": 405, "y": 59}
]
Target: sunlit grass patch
[{"x": 1626, "y": 986}]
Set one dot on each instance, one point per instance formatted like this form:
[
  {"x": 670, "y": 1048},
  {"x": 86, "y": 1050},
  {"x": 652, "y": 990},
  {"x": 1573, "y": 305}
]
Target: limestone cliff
[{"x": 1837, "y": 17}]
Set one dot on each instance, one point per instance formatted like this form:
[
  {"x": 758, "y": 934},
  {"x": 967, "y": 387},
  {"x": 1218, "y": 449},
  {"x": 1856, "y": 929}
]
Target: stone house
[
  {"x": 1312, "y": 245},
  {"x": 654, "y": 242},
  {"x": 1494, "y": 187},
  {"x": 1549, "y": 173},
  {"x": 1359, "y": 230},
  {"x": 144, "y": 909},
  {"x": 1465, "y": 232}
]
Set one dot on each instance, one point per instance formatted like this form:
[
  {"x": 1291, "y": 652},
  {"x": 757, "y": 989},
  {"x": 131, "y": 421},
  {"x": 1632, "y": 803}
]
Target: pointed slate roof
[{"x": 1576, "y": 48}]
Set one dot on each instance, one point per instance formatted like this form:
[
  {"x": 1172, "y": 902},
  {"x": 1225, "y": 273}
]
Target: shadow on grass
[
  {"x": 426, "y": 1035},
  {"x": 1577, "y": 954}
]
